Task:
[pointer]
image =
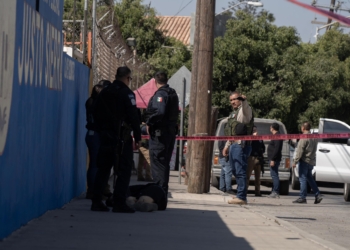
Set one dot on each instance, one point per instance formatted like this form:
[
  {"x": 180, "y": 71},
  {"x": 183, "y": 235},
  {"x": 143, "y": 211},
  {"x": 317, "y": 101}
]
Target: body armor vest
[{"x": 231, "y": 126}]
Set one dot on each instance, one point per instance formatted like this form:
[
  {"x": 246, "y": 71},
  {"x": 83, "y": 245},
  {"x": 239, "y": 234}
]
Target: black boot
[
  {"x": 109, "y": 202},
  {"x": 98, "y": 205},
  {"x": 122, "y": 208}
]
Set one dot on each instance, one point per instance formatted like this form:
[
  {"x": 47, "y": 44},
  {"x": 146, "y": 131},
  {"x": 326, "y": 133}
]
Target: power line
[{"x": 183, "y": 7}]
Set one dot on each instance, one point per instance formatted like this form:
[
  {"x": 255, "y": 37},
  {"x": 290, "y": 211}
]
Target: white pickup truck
[{"x": 332, "y": 157}]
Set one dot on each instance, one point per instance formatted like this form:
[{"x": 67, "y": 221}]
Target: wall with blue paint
[{"x": 42, "y": 114}]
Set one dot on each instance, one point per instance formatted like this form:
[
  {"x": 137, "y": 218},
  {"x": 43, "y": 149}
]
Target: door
[{"x": 333, "y": 155}]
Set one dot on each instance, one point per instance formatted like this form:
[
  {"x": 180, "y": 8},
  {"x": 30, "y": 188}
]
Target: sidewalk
[{"x": 191, "y": 222}]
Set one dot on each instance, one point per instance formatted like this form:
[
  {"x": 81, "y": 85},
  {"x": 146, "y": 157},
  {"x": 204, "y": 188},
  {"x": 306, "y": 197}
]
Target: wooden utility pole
[
  {"x": 202, "y": 74},
  {"x": 192, "y": 106}
]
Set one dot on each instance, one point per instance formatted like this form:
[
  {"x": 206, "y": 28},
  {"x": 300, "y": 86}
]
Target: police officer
[
  {"x": 115, "y": 114},
  {"x": 92, "y": 139},
  {"x": 162, "y": 117},
  {"x": 240, "y": 122}
]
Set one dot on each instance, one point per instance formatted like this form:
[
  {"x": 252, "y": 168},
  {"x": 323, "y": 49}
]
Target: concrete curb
[{"x": 286, "y": 225}]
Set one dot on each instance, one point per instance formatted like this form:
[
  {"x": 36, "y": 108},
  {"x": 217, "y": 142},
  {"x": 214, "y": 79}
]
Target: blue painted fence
[{"x": 42, "y": 114}]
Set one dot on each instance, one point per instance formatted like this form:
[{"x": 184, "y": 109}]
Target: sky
[{"x": 286, "y": 13}]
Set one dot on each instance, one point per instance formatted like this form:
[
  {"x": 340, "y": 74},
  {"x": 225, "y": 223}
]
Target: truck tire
[
  {"x": 214, "y": 181},
  {"x": 284, "y": 187},
  {"x": 295, "y": 181},
  {"x": 347, "y": 191}
]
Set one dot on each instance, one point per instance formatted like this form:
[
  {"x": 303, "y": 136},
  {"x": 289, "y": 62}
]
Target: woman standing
[{"x": 92, "y": 139}]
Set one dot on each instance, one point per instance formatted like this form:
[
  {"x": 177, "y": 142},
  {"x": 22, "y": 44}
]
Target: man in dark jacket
[
  {"x": 162, "y": 117},
  {"x": 115, "y": 114},
  {"x": 274, "y": 155}
]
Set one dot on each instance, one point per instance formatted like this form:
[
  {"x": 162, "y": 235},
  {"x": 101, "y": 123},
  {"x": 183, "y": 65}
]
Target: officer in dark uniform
[
  {"x": 162, "y": 117},
  {"x": 115, "y": 114}
]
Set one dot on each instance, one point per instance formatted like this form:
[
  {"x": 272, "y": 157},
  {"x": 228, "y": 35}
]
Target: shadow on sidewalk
[{"x": 76, "y": 227}]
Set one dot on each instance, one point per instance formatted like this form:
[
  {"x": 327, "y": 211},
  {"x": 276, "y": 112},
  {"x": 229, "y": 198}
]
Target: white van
[
  {"x": 332, "y": 157},
  {"x": 263, "y": 126}
]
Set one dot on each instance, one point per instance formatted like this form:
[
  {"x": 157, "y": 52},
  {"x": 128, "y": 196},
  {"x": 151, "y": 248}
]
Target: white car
[{"x": 332, "y": 157}]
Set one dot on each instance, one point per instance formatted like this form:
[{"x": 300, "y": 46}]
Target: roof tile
[{"x": 178, "y": 27}]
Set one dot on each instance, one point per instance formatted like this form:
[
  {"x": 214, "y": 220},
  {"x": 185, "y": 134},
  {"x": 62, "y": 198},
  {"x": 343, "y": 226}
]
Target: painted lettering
[
  {"x": 39, "y": 43},
  {"x": 54, "y": 5}
]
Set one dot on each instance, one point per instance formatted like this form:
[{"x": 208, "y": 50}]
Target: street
[{"x": 328, "y": 220}]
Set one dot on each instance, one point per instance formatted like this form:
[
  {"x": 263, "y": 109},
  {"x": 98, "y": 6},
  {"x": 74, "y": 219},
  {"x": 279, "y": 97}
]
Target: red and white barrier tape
[{"x": 261, "y": 137}]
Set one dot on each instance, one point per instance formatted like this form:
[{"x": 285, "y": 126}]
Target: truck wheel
[
  {"x": 214, "y": 181},
  {"x": 347, "y": 191},
  {"x": 284, "y": 187},
  {"x": 295, "y": 181}
]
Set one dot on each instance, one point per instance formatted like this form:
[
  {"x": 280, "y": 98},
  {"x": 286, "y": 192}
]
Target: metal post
[
  {"x": 73, "y": 38},
  {"x": 134, "y": 58},
  {"x": 94, "y": 42},
  {"x": 182, "y": 126},
  {"x": 85, "y": 30}
]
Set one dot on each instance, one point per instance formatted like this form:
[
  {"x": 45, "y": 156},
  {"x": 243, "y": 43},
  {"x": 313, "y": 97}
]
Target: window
[
  {"x": 335, "y": 127},
  {"x": 263, "y": 128}
]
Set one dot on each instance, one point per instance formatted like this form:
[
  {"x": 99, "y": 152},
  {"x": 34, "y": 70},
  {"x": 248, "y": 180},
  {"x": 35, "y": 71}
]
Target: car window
[
  {"x": 335, "y": 127},
  {"x": 264, "y": 128}
]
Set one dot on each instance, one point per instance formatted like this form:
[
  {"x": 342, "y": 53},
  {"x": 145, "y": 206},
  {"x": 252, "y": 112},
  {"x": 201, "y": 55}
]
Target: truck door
[{"x": 333, "y": 155}]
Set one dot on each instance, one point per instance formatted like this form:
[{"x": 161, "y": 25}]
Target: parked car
[
  {"x": 263, "y": 126},
  {"x": 332, "y": 157}
]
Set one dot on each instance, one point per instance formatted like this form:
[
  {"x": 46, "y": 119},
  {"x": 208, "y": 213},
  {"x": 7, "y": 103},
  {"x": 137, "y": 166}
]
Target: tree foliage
[
  {"x": 140, "y": 21},
  {"x": 283, "y": 78}
]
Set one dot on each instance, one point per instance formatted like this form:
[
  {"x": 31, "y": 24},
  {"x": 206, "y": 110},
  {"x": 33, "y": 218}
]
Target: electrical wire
[
  {"x": 181, "y": 4},
  {"x": 183, "y": 8}
]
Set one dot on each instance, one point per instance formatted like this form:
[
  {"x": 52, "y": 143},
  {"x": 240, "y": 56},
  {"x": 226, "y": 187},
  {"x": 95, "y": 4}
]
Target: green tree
[
  {"x": 139, "y": 21},
  {"x": 283, "y": 78},
  {"x": 326, "y": 79}
]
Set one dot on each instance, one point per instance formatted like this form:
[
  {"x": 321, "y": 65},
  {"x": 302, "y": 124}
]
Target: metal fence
[{"x": 106, "y": 49}]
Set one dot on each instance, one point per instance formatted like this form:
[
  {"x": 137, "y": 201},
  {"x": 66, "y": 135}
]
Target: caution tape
[{"x": 261, "y": 137}]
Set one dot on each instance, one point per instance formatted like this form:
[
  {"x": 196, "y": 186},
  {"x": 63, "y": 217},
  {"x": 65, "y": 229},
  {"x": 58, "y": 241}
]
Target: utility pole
[
  {"x": 192, "y": 106},
  {"x": 203, "y": 75},
  {"x": 332, "y": 10}
]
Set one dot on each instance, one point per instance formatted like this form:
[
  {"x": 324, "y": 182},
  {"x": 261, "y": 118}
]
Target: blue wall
[{"x": 42, "y": 115}]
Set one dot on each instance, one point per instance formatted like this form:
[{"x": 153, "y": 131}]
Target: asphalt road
[{"x": 329, "y": 220}]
